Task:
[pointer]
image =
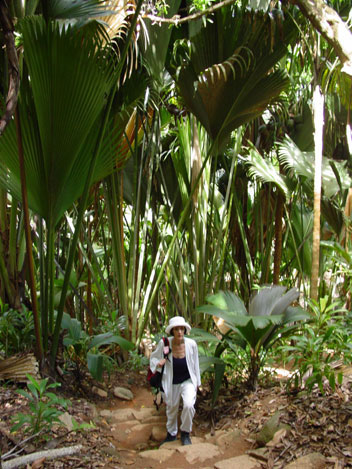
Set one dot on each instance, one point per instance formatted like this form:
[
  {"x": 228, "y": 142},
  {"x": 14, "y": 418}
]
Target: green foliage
[
  {"x": 257, "y": 329},
  {"x": 77, "y": 427},
  {"x": 136, "y": 361},
  {"x": 16, "y": 330},
  {"x": 335, "y": 175},
  {"x": 87, "y": 347},
  {"x": 59, "y": 138},
  {"x": 201, "y": 4},
  {"x": 227, "y": 79},
  {"x": 44, "y": 408},
  {"x": 322, "y": 341}
]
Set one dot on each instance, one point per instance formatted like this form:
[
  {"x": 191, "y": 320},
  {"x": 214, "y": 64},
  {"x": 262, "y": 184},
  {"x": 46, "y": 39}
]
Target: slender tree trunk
[
  {"x": 318, "y": 112},
  {"x": 13, "y": 68},
  {"x": 196, "y": 164},
  {"x": 326, "y": 20},
  {"x": 278, "y": 237},
  {"x": 89, "y": 283}
]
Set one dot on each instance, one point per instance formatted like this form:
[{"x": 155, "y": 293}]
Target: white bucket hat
[{"x": 177, "y": 321}]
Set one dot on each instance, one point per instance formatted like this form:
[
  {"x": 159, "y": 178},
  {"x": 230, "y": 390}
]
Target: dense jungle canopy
[{"x": 176, "y": 158}]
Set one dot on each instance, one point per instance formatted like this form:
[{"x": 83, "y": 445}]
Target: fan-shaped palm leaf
[
  {"x": 226, "y": 73},
  {"x": 303, "y": 164},
  {"x": 59, "y": 106},
  {"x": 78, "y": 9},
  {"x": 268, "y": 312},
  {"x": 266, "y": 171},
  {"x": 299, "y": 245}
]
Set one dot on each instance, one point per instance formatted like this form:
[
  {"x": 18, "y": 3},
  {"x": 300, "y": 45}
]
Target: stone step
[{"x": 141, "y": 429}]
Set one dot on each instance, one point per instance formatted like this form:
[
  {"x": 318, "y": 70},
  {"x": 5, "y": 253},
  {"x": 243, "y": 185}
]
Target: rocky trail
[
  {"x": 138, "y": 431},
  {"x": 260, "y": 430},
  {"x": 266, "y": 429}
]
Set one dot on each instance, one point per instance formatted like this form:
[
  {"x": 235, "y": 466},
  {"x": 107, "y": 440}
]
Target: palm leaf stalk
[
  {"x": 11, "y": 251},
  {"x": 181, "y": 279},
  {"x": 249, "y": 262},
  {"x": 221, "y": 242},
  {"x": 139, "y": 232},
  {"x": 127, "y": 143},
  {"x": 27, "y": 228},
  {"x": 278, "y": 237},
  {"x": 6, "y": 283},
  {"x": 112, "y": 203},
  {"x": 187, "y": 162},
  {"x": 13, "y": 66},
  {"x": 84, "y": 197},
  {"x": 92, "y": 264},
  {"x": 179, "y": 269},
  {"x": 199, "y": 255},
  {"x": 128, "y": 272},
  {"x": 13, "y": 233},
  {"x": 297, "y": 248},
  {"x": 142, "y": 253},
  {"x": 185, "y": 213},
  {"x": 267, "y": 172}
]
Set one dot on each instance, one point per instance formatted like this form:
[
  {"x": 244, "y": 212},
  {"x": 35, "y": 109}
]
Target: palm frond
[
  {"x": 70, "y": 80},
  {"x": 70, "y": 9},
  {"x": 263, "y": 169},
  {"x": 155, "y": 43},
  {"x": 226, "y": 73},
  {"x": 264, "y": 300},
  {"x": 303, "y": 164}
]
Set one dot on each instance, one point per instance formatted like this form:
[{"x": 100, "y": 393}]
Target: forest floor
[{"x": 125, "y": 432}]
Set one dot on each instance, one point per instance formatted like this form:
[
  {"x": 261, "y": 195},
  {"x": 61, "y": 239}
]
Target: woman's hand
[{"x": 162, "y": 362}]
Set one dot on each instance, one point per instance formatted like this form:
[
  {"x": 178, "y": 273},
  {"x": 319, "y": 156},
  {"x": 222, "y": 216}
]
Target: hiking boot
[
  {"x": 168, "y": 438},
  {"x": 185, "y": 439}
]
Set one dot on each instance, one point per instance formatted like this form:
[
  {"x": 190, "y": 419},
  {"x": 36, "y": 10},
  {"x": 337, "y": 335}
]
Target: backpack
[{"x": 154, "y": 379}]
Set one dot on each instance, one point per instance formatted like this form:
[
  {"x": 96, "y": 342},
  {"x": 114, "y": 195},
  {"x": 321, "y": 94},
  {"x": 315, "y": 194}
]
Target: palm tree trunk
[
  {"x": 318, "y": 112},
  {"x": 13, "y": 67}
]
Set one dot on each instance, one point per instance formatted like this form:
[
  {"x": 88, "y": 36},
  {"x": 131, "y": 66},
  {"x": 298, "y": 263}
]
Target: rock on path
[{"x": 142, "y": 431}]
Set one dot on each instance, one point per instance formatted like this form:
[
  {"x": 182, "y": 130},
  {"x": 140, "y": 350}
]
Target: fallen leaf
[
  {"x": 38, "y": 463},
  {"x": 278, "y": 437}
]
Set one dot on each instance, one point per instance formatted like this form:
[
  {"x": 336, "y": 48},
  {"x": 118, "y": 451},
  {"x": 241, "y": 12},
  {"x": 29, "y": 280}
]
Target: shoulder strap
[
  {"x": 166, "y": 341},
  {"x": 166, "y": 344}
]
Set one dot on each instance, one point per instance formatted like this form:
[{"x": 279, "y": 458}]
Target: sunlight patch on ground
[{"x": 279, "y": 371}]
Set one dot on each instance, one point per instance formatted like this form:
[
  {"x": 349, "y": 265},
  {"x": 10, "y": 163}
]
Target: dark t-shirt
[{"x": 180, "y": 369}]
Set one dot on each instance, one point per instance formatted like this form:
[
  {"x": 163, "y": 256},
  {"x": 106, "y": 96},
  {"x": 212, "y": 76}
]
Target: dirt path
[
  {"x": 128, "y": 433},
  {"x": 318, "y": 427},
  {"x": 137, "y": 429}
]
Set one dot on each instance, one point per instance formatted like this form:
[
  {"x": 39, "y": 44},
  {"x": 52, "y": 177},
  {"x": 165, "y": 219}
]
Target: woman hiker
[{"x": 181, "y": 377}]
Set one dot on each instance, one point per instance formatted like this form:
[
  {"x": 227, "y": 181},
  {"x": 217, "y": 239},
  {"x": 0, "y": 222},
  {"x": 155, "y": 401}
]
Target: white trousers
[{"x": 188, "y": 392}]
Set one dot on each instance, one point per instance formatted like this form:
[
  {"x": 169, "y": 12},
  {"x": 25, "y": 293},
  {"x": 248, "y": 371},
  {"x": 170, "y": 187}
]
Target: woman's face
[{"x": 178, "y": 332}]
